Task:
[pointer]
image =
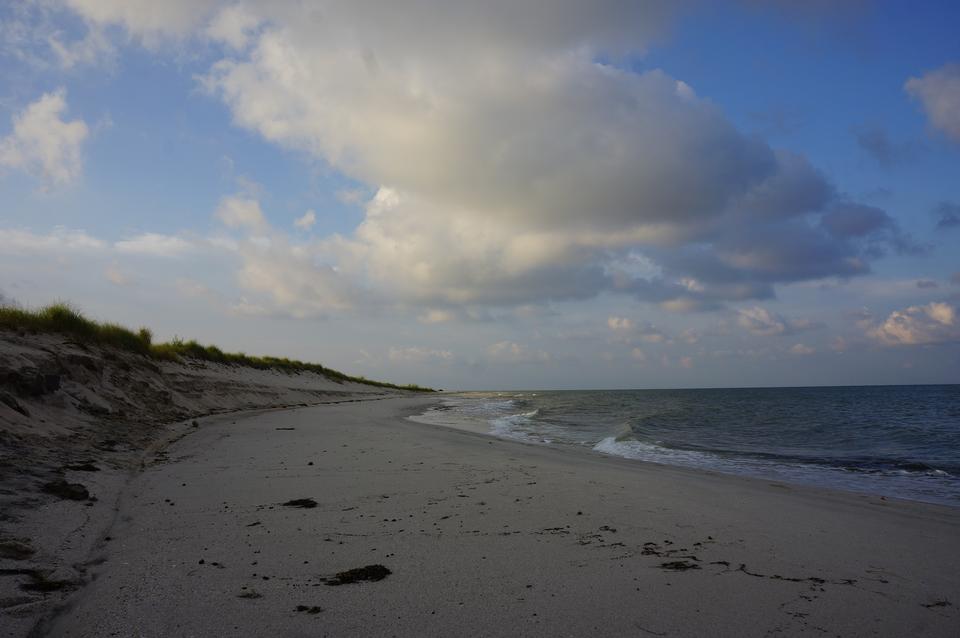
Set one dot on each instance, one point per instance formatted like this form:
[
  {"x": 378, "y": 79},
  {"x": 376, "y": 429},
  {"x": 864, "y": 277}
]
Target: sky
[{"x": 514, "y": 194}]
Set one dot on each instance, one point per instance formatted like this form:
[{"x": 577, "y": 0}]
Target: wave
[
  {"x": 517, "y": 427},
  {"x": 633, "y": 449}
]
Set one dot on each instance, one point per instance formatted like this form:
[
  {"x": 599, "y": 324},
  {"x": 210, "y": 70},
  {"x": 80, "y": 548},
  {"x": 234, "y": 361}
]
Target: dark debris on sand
[
  {"x": 369, "y": 572},
  {"x": 40, "y": 581},
  {"x": 314, "y": 609},
  {"x": 65, "y": 490},
  {"x": 679, "y": 565},
  {"x": 305, "y": 503},
  {"x": 82, "y": 467}
]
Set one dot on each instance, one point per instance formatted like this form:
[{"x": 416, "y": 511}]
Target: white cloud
[
  {"x": 417, "y": 354},
  {"x": 146, "y": 18},
  {"x": 761, "y": 322},
  {"x": 352, "y": 196},
  {"x": 241, "y": 212},
  {"x": 627, "y": 330},
  {"x": 515, "y": 167},
  {"x": 638, "y": 355},
  {"x": 306, "y": 221},
  {"x": 801, "y": 349},
  {"x": 233, "y": 26},
  {"x": 154, "y": 244},
  {"x": 60, "y": 240},
  {"x": 933, "y": 323},
  {"x": 91, "y": 49},
  {"x": 293, "y": 279},
  {"x": 528, "y": 152},
  {"x": 43, "y": 144},
  {"x": 939, "y": 93}
]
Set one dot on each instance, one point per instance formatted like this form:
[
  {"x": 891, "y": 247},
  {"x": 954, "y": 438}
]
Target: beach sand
[
  {"x": 75, "y": 423},
  {"x": 489, "y": 537}
]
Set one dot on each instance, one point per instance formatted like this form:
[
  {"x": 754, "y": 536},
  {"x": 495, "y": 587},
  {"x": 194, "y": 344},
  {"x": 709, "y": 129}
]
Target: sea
[{"x": 897, "y": 441}]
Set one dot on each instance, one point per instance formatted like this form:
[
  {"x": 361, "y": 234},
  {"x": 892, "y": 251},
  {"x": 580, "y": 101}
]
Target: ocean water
[{"x": 901, "y": 441}]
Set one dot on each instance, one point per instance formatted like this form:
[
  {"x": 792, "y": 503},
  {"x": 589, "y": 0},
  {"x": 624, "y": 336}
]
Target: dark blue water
[{"x": 901, "y": 441}]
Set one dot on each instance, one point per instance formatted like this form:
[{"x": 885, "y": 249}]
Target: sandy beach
[
  {"x": 77, "y": 421},
  {"x": 489, "y": 537}
]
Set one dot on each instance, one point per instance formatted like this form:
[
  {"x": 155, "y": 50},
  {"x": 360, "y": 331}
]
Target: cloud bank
[{"x": 512, "y": 160}]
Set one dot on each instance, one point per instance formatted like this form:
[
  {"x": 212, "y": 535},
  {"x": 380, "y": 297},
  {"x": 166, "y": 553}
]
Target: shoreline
[
  {"x": 469, "y": 413},
  {"x": 591, "y": 533},
  {"x": 814, "y": 490}
]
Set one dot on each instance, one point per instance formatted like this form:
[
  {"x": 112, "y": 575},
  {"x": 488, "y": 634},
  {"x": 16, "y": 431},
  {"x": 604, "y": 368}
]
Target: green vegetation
[{"x": 65, "y": 319}]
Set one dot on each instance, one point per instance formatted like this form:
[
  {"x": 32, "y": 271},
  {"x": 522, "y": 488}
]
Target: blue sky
[{"x": 513, "y": 194}]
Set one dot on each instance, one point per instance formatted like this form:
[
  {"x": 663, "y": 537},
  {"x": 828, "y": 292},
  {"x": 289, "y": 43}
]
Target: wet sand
[{"x": 457, "y": 533}]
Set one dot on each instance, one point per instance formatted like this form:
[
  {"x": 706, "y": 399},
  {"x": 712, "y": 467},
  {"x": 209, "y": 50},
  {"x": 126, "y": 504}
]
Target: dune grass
[{"x": 65, "y": 319}]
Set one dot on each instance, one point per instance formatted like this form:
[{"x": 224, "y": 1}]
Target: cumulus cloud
[
  {"x": 94, "y": 47},
  {"x": 154, "y": 244},
  {"x": 306, "y": 221},
  {"x": 939, "y": 93},
  {"x": 241, "y": 212},
  {"x": 43, "y": 144},
  {"x": 507, "y": 165},
  {"x": 801, "y": 349},
  {"x": 146, "y": 18},
  {"x": 933, "y": 323},
  {"x": 761, "y": 322},
  {"x": 291, "y": 278},
  {"x": 33, "y": 34},
  {"x": 232, "y": 26},
  {"x": 628, "y": 330}
]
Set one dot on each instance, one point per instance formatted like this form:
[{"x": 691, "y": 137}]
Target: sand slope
[
  {"x": 489, "y": 537},
  {"x": 75, "y": 421}
]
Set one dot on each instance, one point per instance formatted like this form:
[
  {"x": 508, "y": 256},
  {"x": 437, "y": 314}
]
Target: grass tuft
[{"x": 66, "y": 319}]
